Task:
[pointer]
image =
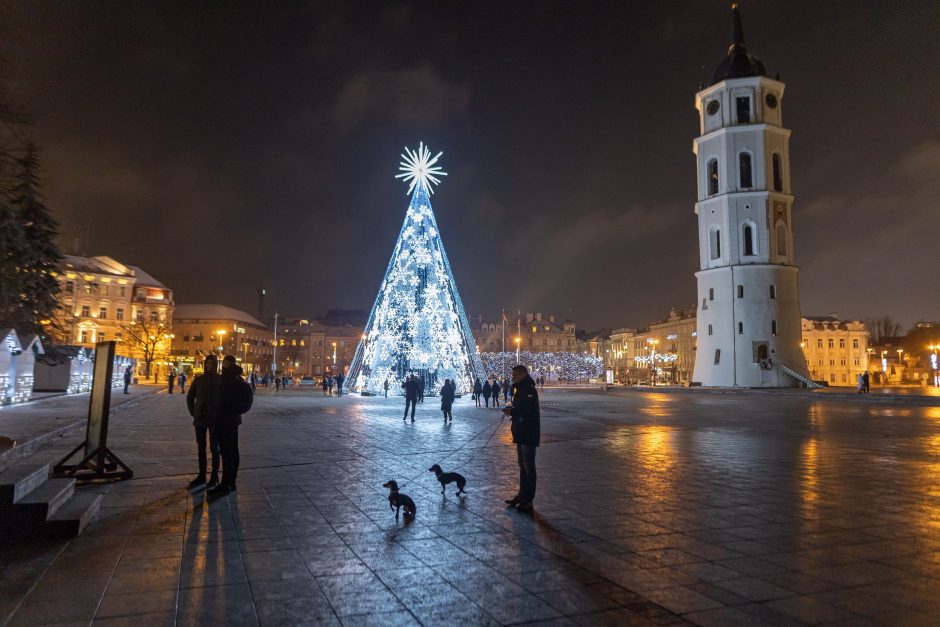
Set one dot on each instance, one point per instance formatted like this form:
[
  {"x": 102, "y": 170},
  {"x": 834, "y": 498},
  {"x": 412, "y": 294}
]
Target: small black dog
[
  {"x": 449, "y": 477},
  {"x": 397, "y": 500}
]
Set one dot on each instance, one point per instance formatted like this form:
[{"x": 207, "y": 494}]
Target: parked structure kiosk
[{"x": 98, "y": 462}]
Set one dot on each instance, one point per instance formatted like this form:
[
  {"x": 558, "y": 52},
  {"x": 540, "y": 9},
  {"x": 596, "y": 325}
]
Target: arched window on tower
[
  {"x": 744, "y": 166},
  {"x": 713, "y": 177},
  {"x": 709, "y": 329},
  {"x": 740, "y": 291},
  {"x": 778, "y": 172},
  {"x": 781, "y": 230},
  {"x": 740, "y": 328},
  {"x": 773, "y": 327},
  {"x": 748, "y": 237},
  {"x": 714, "y": 242},
  {"x": 773, "y": 291}
]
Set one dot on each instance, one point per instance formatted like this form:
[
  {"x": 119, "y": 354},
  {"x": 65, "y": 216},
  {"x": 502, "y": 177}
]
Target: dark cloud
[{"x": 223, "y": 145}]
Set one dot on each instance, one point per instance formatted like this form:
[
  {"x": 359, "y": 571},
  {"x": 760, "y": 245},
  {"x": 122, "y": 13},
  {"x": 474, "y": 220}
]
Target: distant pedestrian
[
  {"x": 447, "y": 400},
  {"x": 477, "y": 390},
  {"x": 506, "y": 390},
  {"x": 253, "y": 382},
  {"x": 325, "y": 384},
  {"x": 487, "y": 391},
  {"x": 494, "y": 392},
  {"x": 861, "y": 384},
  {"x": 386, "y": 388},
  {"x": 420, "y": 389},
  {"x": 340, "y": 379},
  {"x": 202, "y": 402},
  {"x": 277, "y": 384},
  {"x": 127, "y": 379},
  {"x": 235, "y": 399},
  {"x": 332, "y": 383},
  {"x": 182, "y": 381},
  {"x": 526, "y": 431},
  {"x": 171, "y": 379},
  {"x": 867, "y": 379},
  {"x": 411, "y": 396}
]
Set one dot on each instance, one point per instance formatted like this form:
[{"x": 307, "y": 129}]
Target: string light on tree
[{"x": 417, "y": 324}]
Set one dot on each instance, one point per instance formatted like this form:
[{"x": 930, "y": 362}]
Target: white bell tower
[{"x": 748, "y": 320}]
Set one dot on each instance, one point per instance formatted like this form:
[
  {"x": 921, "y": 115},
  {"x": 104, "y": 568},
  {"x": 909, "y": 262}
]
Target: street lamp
[
  {"x": 221, "y": 334},
  {"x": 900, "y": 350},
  {"x": 518, "y": 341}
]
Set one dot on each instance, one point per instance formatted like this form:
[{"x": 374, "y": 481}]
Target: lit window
[
  {"x": 713, "y": 177},
  {"x": 102, "y": 312}
]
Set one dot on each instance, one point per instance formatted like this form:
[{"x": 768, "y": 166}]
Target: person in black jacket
[
  {"x": 477, "y": 391},
  {"x": 486, "y": 391},
  {"x": 526, "y": 433},
  {"x": 232, "y": 390},
  {"x": 202, "y": 400},
  {"x": 447, "y": 400},
  {"x": 411, "y": 396}
]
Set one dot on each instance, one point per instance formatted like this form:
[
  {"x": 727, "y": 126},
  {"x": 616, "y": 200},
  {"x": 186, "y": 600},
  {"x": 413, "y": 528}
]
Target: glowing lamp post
[
  {"x": 900, "y": 350},
  {"x": 518, "y": 341}
]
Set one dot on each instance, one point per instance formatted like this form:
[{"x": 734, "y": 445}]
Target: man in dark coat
[
  {"x": 420, "y": 381},
  {"x": 127, "y": 379},
  {"x": 171, "y": 379},
  {"x": 487, "y": 390},
  {"x": 526, "y": 433},
  {"x": 202, "y": 402},
  {"x": 232, "y": 389},
  {"x": 340, "y": 379},
  {"x": 411, "y": 396}
]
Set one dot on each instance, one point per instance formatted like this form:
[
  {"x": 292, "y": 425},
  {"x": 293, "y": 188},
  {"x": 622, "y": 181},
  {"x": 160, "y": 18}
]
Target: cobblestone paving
[{"x": 651, "y": 509}]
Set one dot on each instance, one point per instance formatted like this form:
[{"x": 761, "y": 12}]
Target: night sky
[{"x": 222, "y": 145}]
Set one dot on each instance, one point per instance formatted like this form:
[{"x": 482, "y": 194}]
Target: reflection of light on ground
[
  {"x": 809, "y": 477},
  {"x": 656, "y": 456},
  {"x": 658, "y": 405}
]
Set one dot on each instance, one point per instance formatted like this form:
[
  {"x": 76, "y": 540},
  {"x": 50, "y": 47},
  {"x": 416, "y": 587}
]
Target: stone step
[
  {"x": 20, "y": 480},
  {"x": 75, "y": 514},
  {"x": 43, "y": 501}
]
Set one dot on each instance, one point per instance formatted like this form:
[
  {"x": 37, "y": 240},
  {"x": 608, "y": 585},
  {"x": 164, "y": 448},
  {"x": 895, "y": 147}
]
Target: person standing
[
  {"x": 505, "y": 390},
  {"x": 526, "y": 433},
  {"x": 447, "y": 400},
  {"x": 254, "y": 382},
  {"x": 386, "y": 388},
  {"x": 420, "y": 381},
  {"x": 171, "y": 379},
  {"x": 127, "y": 379},
  {"x": 867, "y": 381},
  {"x": 411, "y": 396},
  {"x": 487, "y": 391},
  {"x": 182, "y": 381},
  {"x": 235, "y": 398},
  {"x": 340, "y": 379},
  {"x": 494, "y": 392},
  {"x": 202, "y": 403},
  {"x": 477, "y": 390},
  {"x": 277, "y": 384}
]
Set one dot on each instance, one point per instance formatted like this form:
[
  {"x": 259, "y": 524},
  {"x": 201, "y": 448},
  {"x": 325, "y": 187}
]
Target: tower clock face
[
  {"x": 712, "y": 107},
  {"x": 771, "y": 101}
]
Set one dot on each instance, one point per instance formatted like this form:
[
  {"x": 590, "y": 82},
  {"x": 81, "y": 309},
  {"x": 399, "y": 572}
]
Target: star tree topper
[{"x": 418, "y": 167}]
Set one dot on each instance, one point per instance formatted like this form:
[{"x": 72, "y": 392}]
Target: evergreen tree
[{"x": 29, "y": 266}]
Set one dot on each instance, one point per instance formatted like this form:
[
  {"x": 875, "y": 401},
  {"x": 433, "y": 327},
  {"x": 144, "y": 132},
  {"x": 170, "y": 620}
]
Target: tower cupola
[{"x": 737, "y": 63}]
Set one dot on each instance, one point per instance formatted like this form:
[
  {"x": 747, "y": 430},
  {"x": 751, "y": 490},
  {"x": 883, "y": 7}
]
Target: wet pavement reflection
[{"x": 652, "y": 508}]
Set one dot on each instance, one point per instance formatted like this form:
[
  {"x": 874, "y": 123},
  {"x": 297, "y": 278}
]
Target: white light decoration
[
  {"x": 561, "y": 366},
  {"x": 418, "y": 168},
  {"x": 417, "y": 324}
]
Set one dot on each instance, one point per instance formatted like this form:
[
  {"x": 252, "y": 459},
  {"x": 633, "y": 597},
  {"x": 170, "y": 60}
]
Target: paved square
[{"x": 652, "y": 508}]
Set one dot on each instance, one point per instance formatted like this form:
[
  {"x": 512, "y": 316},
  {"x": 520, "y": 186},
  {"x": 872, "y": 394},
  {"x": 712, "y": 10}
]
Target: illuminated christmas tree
[{"x": 417, "y": 325}]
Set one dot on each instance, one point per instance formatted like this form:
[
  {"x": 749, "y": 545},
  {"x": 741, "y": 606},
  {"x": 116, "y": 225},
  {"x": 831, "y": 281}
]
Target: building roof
[
  {"x": 146, "y": 279},
  {"x": 99, "y": 264},
  {"x": 737, "y": 63},
  {"x": 213, "y": 312}
]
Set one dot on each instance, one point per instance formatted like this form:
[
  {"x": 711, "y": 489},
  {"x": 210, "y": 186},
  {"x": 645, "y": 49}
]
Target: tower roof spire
[{"x": 737, "y": 63}]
